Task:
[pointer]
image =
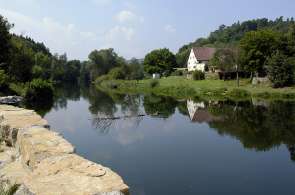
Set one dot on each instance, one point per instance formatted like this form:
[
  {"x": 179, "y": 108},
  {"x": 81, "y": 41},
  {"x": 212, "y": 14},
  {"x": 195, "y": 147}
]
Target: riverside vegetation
[
  {"x": 180, "y": 87},
  {"x": 262, "y": 48},
  {"x": 257, "y": 47}
]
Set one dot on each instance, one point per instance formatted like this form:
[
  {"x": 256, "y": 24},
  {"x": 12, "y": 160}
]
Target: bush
[
  {"x": 18, "y": 88},
  {"x": 280, "y": 70},
  {"x": 117, "y": 73},
  {"x": 39, "y": 90},
  {"x": 3, "y": 79},
  {"x": 198, "y": 75},
  {"x": 154, "y": 83},
  {"x": 177, "y": 73}
]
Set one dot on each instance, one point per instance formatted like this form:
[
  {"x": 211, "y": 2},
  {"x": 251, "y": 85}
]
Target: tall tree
[
  {"x": 225, "y": 59},
  {"x": 5, "y": 44},
  {"x": 102, "y": 61},
  {"x": 159, "y": 61},
  {"x": 256, "y": 47}
]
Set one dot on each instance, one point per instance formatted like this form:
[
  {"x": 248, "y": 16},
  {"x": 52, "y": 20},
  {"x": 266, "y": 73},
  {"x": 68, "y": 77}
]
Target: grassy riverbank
[{"x": 180, "y": 87}]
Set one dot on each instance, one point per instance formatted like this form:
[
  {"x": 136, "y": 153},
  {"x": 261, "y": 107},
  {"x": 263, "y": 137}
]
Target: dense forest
[{"x": 228, "y": 36}]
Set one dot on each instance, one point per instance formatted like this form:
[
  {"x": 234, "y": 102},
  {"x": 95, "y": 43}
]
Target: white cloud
[
  {"x": 119, "y": 33},
  {"x": 59, "y": 37},
  {"x": 169, "y": 28},
  {"x": 129, "y": 17}
]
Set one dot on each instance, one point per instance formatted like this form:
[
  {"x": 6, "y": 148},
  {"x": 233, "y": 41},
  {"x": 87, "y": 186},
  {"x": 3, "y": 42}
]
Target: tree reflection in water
[{"x": 258, "y": 125}]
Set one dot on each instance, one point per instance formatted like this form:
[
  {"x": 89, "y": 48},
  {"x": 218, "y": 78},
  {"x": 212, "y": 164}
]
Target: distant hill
[
  {"x": 30, "y": 43},
  {"x": 231, "y": 35}
]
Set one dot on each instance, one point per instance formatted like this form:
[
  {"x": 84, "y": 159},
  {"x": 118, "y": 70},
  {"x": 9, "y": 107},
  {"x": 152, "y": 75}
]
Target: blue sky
[{"x": 131, "y": 27}]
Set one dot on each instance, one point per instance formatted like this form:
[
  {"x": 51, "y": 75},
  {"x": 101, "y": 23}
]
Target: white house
[{"x": 199, "y": 58}]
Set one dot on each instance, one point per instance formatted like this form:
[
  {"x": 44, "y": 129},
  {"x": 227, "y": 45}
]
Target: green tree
[
  {"x": 135, "y": 70},
  {"x": 102, "y": 61},
  {"x": 58, "y": 65},
  {"x": 256, "y": 47},
  {"x": 182, "y": 57},
  {"x": 5, "y": 44},
  {"x": 22, "y": 61},
  {"x": 280, "y": 70},
  {"x": 159, "y": 61},
  {"x": 72, "y": 70},
  {"x": 225, "y": 59}
]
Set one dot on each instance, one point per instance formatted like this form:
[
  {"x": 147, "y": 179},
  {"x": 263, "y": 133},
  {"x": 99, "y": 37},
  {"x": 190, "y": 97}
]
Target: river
[{"x": 161, "y": 146}]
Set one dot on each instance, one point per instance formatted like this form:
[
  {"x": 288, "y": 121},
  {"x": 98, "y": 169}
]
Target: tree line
[{"x": 259, "y": 47}]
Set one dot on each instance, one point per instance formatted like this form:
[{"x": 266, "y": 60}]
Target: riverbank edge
[
  {"x": 42, "y": 162},
  {"x": 188, "y": 89}
]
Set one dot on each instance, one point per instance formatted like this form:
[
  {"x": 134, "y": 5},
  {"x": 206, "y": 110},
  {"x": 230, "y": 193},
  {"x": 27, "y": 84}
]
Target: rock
[
  {"x": 44, "y": 163},
  {"x": 11, "y": 100},
  {"x": 36, "y": 144},
  {"x": 70, "y": 175}
]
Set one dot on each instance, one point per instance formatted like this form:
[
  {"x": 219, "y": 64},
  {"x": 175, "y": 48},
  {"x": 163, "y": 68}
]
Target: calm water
[{"x": 182, "y": 147}]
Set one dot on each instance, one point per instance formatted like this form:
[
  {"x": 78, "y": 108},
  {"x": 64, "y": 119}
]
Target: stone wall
[{"x": 44, "y": 163}]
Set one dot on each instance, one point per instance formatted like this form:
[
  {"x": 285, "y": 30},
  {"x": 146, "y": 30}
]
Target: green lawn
[{"x": 181, "y": 87}]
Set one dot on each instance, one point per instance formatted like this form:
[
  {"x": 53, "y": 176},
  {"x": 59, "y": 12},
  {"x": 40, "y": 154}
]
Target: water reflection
[{"x": 258, "y": 125}]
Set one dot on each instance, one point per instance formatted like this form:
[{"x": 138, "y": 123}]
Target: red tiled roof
[{"x": 204, "y": 53}]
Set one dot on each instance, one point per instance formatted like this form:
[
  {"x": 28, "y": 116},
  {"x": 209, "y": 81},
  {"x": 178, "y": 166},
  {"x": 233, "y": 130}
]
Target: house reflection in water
[{"x": 198, "y": 112}]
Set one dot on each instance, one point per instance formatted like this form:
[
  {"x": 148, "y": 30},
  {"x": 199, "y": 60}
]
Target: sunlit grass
[{"x": 181, "y": 87}]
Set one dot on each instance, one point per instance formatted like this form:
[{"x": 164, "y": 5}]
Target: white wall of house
[
  {"x": 193, "y": 107},
  {"x": 193, "y": 63}
]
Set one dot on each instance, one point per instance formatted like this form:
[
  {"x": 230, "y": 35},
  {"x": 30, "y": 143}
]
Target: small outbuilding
[{"x": 156, "y": 76}]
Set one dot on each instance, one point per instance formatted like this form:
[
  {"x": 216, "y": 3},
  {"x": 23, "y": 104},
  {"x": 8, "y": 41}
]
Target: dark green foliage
[
  {"x": 256, "y": 47},
  {"x": 22, "y": 62},
  {"x": 3, "y": 79},
  {"x": 102, "y": 61},
  {"x": 225, "y": 59},
  {"x": 72, "y": 70},
  {"x": 30, "y": 43},
  {"x": 135, "y": 70},
  {"x": 280, "y": 70},
  {"x": 5, "y": 44},
  {"x": 160, "y": 61},
  {"x": 117, "y": 73},
  {"x": 38, "y": 90},
  {"x": 198, "y": 75},
  {"x": 154, "y": 83},
  {"x": 181, "y": 58},
  {"x": 158, "y": 106},
  {"x": 178, "y": 73}
]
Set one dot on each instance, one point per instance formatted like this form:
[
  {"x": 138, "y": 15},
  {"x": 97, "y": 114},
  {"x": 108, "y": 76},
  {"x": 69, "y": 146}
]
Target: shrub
[
  {"x": 280, "y": 70},
  {"x": 3, "y": 79},
  {"x": 18, "y": 88},
  {"x": 154, "y": 83},
  {"x": 117, "y": 73},
  {"x": 39, "y": 90},
  {"x": 198, "y": 75},
  {"x": 177, "y": 73}
]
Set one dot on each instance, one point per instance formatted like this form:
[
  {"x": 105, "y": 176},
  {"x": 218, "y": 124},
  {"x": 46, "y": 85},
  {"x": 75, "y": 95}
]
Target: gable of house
[{"x": 204, "y": 53}]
